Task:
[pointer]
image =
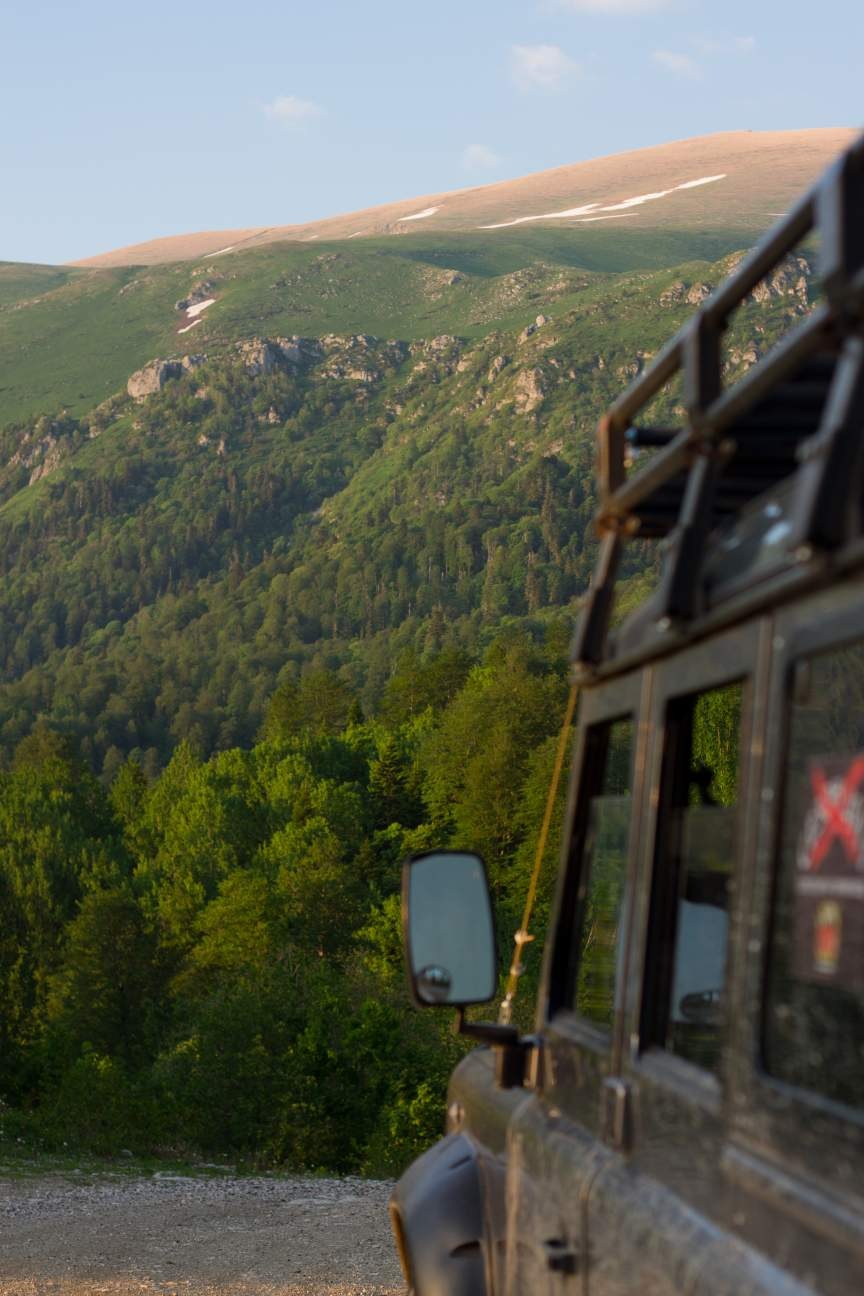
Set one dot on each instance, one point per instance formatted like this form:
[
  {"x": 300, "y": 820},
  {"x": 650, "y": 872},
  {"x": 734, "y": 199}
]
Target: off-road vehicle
[{"x": 688, "y": 1115}]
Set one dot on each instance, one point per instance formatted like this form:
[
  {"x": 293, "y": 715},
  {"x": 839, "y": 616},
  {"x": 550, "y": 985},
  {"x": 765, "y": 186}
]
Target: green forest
[{"x": 210, "y": 962}]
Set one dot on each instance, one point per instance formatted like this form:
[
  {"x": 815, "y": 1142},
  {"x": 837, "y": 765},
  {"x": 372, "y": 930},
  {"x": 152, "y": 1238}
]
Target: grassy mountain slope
[{"x": 70, "y": 338}]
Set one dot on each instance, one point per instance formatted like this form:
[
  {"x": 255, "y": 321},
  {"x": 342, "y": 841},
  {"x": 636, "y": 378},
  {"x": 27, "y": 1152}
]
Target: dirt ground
[{"x": 185, "y": 1236}]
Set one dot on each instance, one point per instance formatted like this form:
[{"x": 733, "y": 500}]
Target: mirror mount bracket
[
  {"x": 485, "y": 1032},
  {"x": 511, "y": 1048}
]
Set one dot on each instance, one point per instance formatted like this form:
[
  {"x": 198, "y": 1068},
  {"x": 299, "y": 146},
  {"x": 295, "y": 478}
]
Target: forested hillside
[{"x": 306, "y": 503}]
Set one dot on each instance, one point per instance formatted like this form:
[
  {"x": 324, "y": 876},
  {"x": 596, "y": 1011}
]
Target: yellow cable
[{"x": 522, "y": 936}]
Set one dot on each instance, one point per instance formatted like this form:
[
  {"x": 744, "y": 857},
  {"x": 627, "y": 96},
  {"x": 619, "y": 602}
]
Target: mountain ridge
[{"x": 630, "y": 186}]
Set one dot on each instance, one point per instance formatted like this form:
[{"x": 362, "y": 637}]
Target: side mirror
[{"x": 448, "y": 929}]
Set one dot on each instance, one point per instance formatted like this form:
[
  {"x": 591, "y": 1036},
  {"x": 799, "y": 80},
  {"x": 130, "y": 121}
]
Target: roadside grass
[
  {"x": 25, "y": 1155},
  {"x": 21, "y": 1163}
]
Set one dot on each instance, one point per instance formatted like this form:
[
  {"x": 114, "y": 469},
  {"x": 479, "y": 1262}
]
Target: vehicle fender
[{"x": 437, "y": 1214}]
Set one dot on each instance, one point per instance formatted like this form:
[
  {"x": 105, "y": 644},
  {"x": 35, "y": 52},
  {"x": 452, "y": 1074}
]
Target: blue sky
[{"x": 121, "y": 121}]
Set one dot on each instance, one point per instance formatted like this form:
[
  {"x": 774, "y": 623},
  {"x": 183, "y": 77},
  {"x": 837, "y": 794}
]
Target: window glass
[
  {"x": 604, "y": 866},
  {"x": 686, "y": 969},
  {"x": 814, "y": 1025}
]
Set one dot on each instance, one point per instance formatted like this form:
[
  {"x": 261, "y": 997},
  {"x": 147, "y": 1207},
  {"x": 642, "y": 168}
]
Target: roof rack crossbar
[
  {"x": 679, "y": 586},
  {"x": 839, "y": 206},
  {"x": 829, "y": 482},
  {"x": 593, "y": 625},
  {"x": 810, "y": 428},
  {"x": 832, "y": 207}
]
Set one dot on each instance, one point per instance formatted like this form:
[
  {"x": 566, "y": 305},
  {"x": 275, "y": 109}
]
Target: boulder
[{"x": 152, "y": 378}]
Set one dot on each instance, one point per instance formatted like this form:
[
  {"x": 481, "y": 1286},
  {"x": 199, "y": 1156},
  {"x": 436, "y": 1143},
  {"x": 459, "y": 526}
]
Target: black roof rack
[{"x": 799, "y": 410}]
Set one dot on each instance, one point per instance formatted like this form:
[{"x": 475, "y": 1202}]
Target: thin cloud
[
  {"x": 291, "y": 110},
  {"x": 681, "y": 65},
  {"x": 541, "y": 67},
  {"x": 614, "y": 8},
  {"x": 479, "y": 157}
]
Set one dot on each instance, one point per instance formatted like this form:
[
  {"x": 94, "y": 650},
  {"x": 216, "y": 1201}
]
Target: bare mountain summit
[{"x": 736, "y": 179}]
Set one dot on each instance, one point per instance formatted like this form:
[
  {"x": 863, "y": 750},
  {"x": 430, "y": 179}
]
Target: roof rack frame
[{"x": 833, "y": 208}]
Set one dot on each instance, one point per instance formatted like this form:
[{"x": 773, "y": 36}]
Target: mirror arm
[
  {"x": 512, "y": 1048},
  {"x": 486, "y": 1032}
]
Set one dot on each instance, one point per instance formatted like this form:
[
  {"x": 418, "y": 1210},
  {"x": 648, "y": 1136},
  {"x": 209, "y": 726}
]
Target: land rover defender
[{"x": 688, "y": 1115}]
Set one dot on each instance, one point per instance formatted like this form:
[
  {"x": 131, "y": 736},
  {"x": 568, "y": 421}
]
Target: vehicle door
[
  {"x": 657, "y": 1201},
  {"x": 555, "y": 1137},
  {"x": 795, "y": 1156}
]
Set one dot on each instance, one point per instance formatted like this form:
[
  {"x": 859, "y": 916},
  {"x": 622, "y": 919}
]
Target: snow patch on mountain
[
  {"x": 421, "y": 215},
  {"x": 590, "y": 209},
  {"x": 198, "y": 307}
]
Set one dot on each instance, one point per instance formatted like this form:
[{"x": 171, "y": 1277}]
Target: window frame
[
  {"x": 728, "y": 658},
  {"x": 665, "y": 884},
  {"x": 577, "y": 1054},
  {"x": 796, "y": 1127}
]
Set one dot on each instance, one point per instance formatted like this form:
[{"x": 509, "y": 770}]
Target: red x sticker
[
  {"x": 833, "y": 805},
  {"x": 829, "y": 887}
]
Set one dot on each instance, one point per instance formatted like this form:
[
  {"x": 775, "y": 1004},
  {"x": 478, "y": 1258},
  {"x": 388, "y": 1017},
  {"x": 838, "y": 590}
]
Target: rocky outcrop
[
  {"x": 357, "y": 358},
  {"x": 442, "y": 345},
  {"x": 743, "y": 358},
  {"x": 259, "y": 355},
  {"x": 635, "y": 366},
  {"x": 697, "y": 293},
  {"x": 152, "y": 378},
  {"x": 443, "y": 352},
  {"x": 530, "y": 390},
  {"x": 198, "y": 294},
  {"x": 495, "y": 368},
  {"x": 790, "y": 279},
  {"x": 44, "y": 447},
  {"x": 674, "y": 294},
  {"x": 531, "y": 329},
  {"x": 51, "y": 459},
  {"x": 291, "y": 349},
  {"x": 679, "y": 293}
]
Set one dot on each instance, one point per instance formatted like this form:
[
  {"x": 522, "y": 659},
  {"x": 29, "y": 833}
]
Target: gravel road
[{"x": 184, "y": 1236}]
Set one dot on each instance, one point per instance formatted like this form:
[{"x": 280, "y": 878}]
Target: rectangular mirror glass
[{"x": 449, "y": 933}]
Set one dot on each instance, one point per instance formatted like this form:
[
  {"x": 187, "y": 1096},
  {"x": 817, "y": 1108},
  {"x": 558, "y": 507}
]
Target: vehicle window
[
  {"x": 685, "y": 974},
  {"x": 814, "y": 1021},
  {"x": 603, "y": 869}
]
